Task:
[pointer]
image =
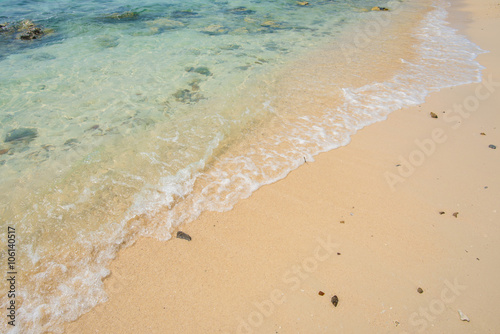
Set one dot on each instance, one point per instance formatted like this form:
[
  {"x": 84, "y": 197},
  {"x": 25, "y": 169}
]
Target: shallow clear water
[{"x": 143, "y": 116}]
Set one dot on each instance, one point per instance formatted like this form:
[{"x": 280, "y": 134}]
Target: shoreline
[{"x": 393, "y": 243}]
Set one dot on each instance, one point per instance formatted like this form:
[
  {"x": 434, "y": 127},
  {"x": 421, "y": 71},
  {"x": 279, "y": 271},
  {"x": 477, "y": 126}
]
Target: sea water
[{"x": 142, "y": 116}]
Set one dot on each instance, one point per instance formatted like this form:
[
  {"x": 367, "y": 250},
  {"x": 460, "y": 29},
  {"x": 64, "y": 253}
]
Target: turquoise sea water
[{"x": 135, "y": 118}]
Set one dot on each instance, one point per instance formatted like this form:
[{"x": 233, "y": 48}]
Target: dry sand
[{"x": 259, "y": 267}]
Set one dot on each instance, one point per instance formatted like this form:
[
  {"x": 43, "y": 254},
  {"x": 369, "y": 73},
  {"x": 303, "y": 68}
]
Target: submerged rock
[
  {"x": 194, "y": 86},
  {"x": 4, "y": 151},
  {"x": 241, "y": 11},
  {"x": 29, "y": 31},
  {"x": 107, "y": 41},
  {"x": 71, "y": 142},
  {"x": 21, "y": 134},
  {"x": 270, "y": 24},
  {"x": 302, "y": 3},
  {"x": 200, "y": 70},
  {"x": 215, "y": 29},
  {"x": 376, "y": 8},
  {"x": 230, "y": 47},
  {"x": 164, "y": 23},
  {"x": 4, "y": 27},
  {"x": 187, "y": 96},
  {"x": 184, "y": 14},
  {"x": 128, "y": 15}
]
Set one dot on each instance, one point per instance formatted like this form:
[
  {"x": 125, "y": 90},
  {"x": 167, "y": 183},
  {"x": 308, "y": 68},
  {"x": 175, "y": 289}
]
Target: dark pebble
[
  {"x": 335, "y": 301},
  {"x": 433, "y": 115},
  {"x": 21, "y": 134},
  {"x": 321, "y": 293},
  {"x": 483, "y": 134},
  {"x": 442, "y": 212},
  {"x": 493, "y": 147},
  {"x": 182, "y": 235},
  {"x": 419, "y": 290},
  {"x": 455, "y": 214}
]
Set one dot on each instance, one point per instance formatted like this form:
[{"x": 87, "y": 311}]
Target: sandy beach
[{"x": 411, "y": 202}]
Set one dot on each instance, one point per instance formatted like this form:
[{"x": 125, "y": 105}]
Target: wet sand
[{"x": 352, "y": 224}]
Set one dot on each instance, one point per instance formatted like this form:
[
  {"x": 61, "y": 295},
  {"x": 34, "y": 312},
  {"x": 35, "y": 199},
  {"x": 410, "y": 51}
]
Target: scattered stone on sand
[
  {"x": 455, "y": 214},
  {"x": 128, "y": 15},
  {"x": 48, "y": 147},
  {"x": 492, "y": 147},
  {"x": 230, "y": 47},
  {"x": 200, "y": 70},
  {"x": 335, "y": 300},
  {"x": 194, "y": 86},
  {"x": 433, "y": 115},
  {"x": 442, "y": 212},
  {"x": 243, "y": 68},
  {"x": 21, "y": 134},
  {"x": 182, "y": 235},
  {"x": 302, "y": 3},
  {"x": 483, "y": 134},
  {"x": 71, "y": 142},
  {"x": 420, "y": 290},
  {"x": 396, "y": 323},
  {"x": 187, "y": 96},
  {"x": 215, "y": 29},
  {"x": 463, "y": 317},
  {"x": 342, "y": 222},
  {"x": 4, "y": 151},
  {"x": 339, "y": 254},
  {"x": 376, "y": 8},
  {"x": 321, "y": 293}
]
